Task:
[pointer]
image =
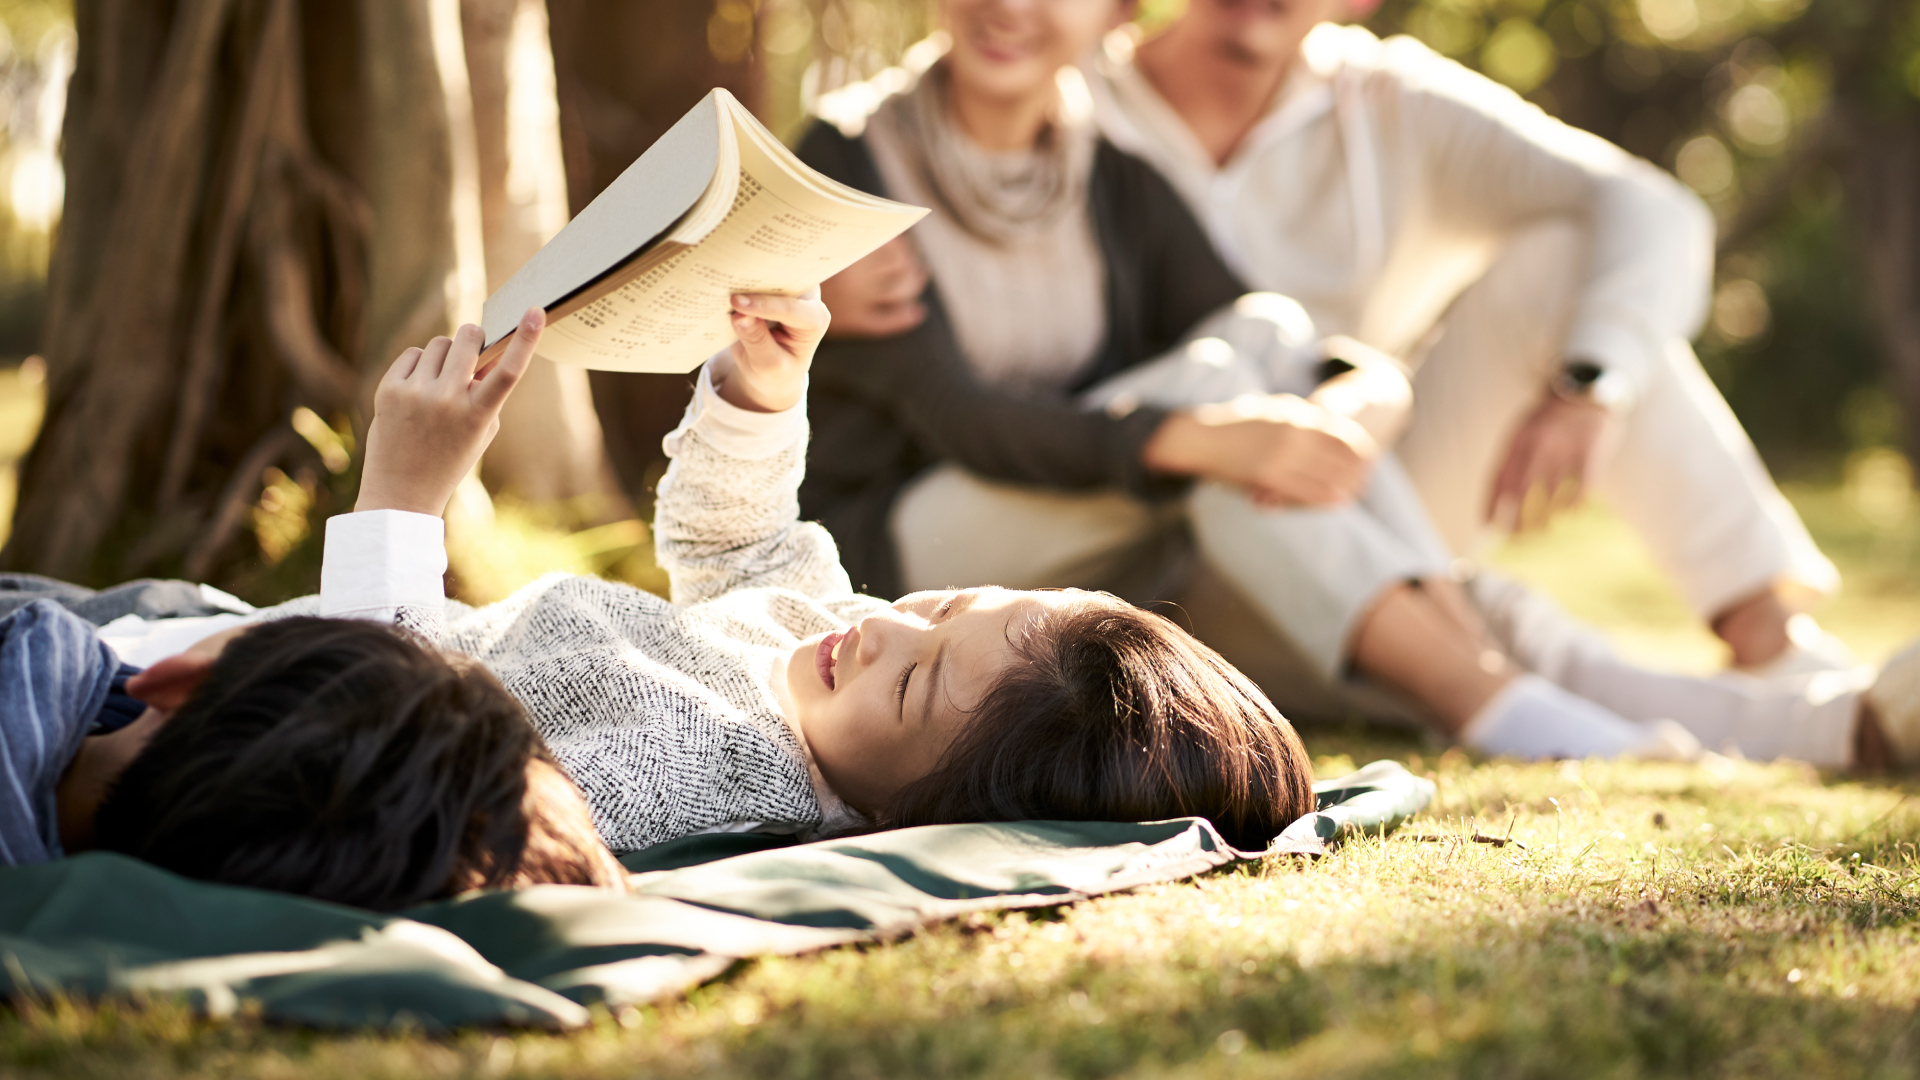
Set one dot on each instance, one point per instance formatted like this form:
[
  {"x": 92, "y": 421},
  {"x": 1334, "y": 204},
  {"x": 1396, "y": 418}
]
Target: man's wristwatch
[{"x": 1584, "y": 382}]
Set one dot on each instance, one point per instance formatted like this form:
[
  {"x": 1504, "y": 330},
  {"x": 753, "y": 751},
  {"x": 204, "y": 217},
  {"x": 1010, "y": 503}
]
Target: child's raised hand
[
  {"x": 766, "y": 369},
  {"x": 435, "y": 412}
]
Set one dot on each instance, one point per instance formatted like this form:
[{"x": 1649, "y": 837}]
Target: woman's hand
[
  {"x": 879, "y": 296},
  {"x": 434, "y": 414},
  {"x": 766, "y": 369},
  {"x": 1280, "y": 449}
]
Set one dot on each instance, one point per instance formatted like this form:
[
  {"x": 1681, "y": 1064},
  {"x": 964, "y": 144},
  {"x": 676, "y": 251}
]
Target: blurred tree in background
[{"x": 257, "y": 203}]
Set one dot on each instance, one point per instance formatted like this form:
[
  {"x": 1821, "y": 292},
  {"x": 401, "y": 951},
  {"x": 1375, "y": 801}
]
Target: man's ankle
[
  {"x": 1756, "y": 629},
  {"x": 1872, "y": 750}
]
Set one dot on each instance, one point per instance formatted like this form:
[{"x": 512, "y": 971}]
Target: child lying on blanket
[
  {"x": 333, "y": 758},
  {"x": 768, "y": 694}
]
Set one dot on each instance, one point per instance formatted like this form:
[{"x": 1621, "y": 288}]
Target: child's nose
[{"x": 880, "y": 630}]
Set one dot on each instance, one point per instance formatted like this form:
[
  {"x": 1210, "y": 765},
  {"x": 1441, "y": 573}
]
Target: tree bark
[
  {"x": 549, "y": 445},
  {"x": 626, "y": 71},
  {"x": 256, "y": 218}
]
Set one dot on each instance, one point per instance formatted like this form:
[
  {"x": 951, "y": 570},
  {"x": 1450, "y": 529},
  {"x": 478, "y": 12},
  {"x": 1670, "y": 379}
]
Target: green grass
[
  {"x": 1659, "y": 920},
  {"x": 1648, "y": 920}
]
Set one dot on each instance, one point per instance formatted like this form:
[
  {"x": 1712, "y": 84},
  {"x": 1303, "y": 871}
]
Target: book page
[{"x": 669, "y": 311}]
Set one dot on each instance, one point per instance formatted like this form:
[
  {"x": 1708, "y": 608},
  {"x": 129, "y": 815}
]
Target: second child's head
[
  {"x": 999, "y": 705},
  {"x": 341, "y": 760}
]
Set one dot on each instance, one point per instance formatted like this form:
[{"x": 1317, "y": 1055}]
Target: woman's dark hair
[
  {"x": 339, "y": 759},
  {"x": 1110, "y": 713}
]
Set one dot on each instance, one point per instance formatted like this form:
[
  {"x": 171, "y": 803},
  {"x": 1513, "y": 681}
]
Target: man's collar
[{"x": 1304, "y": 96}]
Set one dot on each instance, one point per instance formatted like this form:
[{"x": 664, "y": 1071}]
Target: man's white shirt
[{"x": 1384, "y": 179}]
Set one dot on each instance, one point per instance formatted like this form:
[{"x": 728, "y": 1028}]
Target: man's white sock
[{"x": 1533, "y": 718}]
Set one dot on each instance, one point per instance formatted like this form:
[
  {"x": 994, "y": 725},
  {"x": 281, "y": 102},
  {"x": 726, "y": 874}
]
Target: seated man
[{"x": 1401, "y": 197}]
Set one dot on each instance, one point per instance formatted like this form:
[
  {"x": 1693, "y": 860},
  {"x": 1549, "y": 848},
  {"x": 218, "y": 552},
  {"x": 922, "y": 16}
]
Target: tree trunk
[
  {"x": 549, "y": 446},
  {"x": 627, "y": 70},
  {"x": 256, "y": 219}
]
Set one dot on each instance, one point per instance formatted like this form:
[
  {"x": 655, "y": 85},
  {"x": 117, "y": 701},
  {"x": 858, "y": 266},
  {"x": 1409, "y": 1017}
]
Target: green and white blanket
[{"x": 101, "y": 924}]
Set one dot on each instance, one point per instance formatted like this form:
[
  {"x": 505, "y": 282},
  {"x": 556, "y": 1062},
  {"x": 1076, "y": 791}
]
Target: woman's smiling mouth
[{"x": 823, "y": 656}]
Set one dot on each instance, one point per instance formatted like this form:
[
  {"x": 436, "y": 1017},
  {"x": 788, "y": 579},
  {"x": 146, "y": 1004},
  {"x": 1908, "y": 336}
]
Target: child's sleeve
[
  {"x": 388, "y": 566},
  {"x": 728, "y": 511}
]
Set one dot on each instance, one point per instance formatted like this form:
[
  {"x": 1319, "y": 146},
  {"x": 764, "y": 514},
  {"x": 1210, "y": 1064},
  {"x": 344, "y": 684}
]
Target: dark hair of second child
[{"x": 341, "y": 760}]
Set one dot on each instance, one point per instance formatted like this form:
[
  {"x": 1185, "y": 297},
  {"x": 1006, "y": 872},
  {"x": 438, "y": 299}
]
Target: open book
[{"x": 640, "y": 279}]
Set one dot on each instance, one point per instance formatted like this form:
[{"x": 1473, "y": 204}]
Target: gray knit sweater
[{"x": 664, "y": 713}]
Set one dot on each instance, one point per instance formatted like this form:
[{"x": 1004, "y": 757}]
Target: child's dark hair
[
  {"x": 339, "y": 759},
  {"x": 1110, "y": 713}
]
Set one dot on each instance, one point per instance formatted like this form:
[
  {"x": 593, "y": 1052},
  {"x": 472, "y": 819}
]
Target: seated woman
[
  {"x": 767, "y": 694},
  {"x": 986, "y": 427}
]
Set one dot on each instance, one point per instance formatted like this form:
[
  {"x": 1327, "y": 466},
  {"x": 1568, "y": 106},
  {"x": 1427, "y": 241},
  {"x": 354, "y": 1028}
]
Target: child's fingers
[
  {"x": 805, "y": 316},
  {"x": 434, "y": 357},
  {"x": 751, "y": 332},
  {"x": 500, "y": 376},
  {"x": 403, "y": 366},
  {"x": 463, "y": 356}
]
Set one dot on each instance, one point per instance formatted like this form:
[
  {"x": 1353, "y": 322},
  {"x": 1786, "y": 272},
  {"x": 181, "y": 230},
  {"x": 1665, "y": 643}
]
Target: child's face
[{"x": 881, "y": 701}]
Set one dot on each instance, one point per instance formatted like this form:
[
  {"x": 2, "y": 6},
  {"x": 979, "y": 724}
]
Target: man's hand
[
  {"x": 1279, "y": 449},
  {"x": 1554, "y": 457},
  {"x": 879, "y": 296},
  {"x": 435, "y": 413},
  {"x": 766, "y": 369}
]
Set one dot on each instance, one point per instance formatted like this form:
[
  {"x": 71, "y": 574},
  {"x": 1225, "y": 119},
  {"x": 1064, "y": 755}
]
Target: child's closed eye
[{"x": 900, "y": 690}]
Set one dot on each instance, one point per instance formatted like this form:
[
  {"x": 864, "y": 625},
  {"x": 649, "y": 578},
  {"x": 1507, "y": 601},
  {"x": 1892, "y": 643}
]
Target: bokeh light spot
[
  {"x": 1519, "y": 54},
  {"x": 1740, "y": 310},
  {"x": 1757, "y": 117},
  {"x": 1670, "y": 20},
  {"x": 1705, "y": 165}
]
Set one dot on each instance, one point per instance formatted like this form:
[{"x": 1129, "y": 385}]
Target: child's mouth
[{"x": 823, "y": 656}]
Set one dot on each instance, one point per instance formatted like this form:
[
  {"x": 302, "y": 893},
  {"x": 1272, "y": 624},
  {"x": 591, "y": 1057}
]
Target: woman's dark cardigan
[{"x": 885, "y": 410}]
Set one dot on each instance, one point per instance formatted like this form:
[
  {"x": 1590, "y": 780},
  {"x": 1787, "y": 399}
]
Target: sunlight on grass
[
  {"x": 501, "y": 547},
  {"x": 1595, "y": 565}
]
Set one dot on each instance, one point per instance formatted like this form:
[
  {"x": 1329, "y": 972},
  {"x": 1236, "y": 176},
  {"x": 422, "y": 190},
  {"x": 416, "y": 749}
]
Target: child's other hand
[
  {"x": 766, "y": 369},
  {"x": 435, "y": 412}
]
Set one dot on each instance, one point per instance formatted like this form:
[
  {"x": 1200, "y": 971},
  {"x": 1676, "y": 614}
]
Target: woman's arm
[{"x": 916, "y": 378}]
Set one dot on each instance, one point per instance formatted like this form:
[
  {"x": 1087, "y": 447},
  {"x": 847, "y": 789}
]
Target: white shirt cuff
[
  {"x": 1615, "y": 348},
  {"x": 736, "y": 432},
  {"x": 380, "y": 560}
]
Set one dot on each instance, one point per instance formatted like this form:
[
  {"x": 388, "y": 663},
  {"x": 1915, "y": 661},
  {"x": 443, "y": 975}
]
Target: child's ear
[{"x": 169, "y": 683}]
